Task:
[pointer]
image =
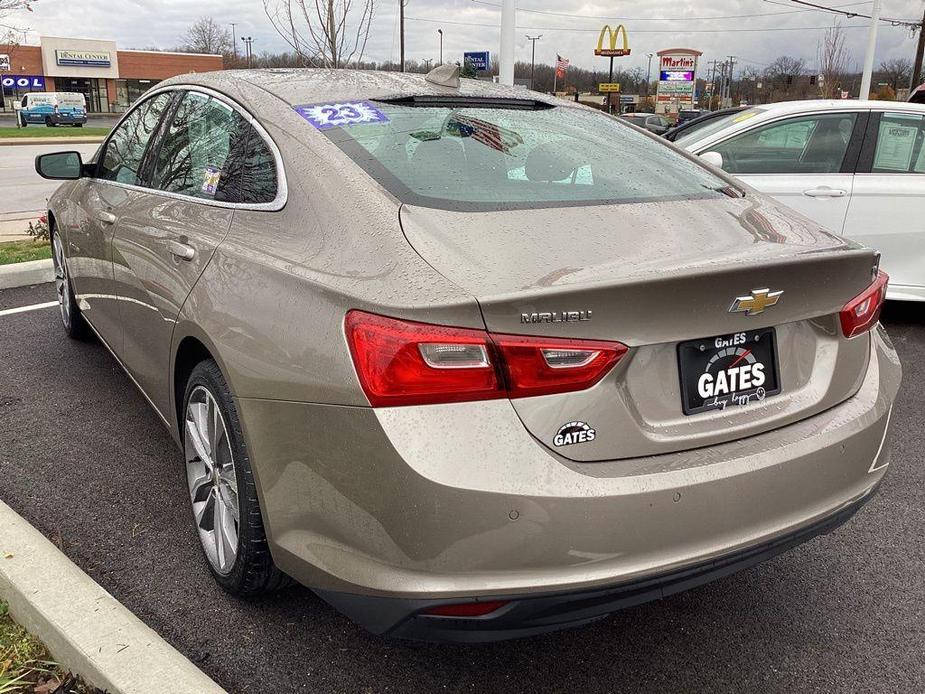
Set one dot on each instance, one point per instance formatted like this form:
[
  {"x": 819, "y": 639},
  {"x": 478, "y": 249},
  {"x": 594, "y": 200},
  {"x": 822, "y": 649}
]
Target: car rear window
[{"x": 489, "y": 158}]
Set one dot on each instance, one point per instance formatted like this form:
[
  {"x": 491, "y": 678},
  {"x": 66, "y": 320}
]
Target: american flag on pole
[{"x": 561, "y": 65}]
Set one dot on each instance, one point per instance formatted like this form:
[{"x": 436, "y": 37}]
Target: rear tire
[
  {"x": 78, "y": 125},
  {"x": 226, "y": 511},
  {"x": 74, "y": 324},
  {"x": 49, "y": 123}
]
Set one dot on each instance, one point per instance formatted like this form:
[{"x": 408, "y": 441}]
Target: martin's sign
[
  {"x": 678, "y": 62},
  {"x": 83, "y": 58}
]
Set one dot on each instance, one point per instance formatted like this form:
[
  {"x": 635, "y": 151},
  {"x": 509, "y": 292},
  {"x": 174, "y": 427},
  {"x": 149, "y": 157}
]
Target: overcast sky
[{"x": 569, "y": 27}]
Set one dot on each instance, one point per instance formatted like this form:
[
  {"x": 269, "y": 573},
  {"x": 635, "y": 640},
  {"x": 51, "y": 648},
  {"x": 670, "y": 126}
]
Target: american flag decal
[{"x": 487, "y": 133}]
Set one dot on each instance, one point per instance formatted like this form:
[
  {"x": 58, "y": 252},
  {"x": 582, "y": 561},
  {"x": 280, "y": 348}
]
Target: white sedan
[{"x": 856, "y": 167}]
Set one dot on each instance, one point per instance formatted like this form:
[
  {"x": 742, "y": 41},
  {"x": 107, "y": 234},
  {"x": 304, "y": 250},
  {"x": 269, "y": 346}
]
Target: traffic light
[
  {"x": 789, "y": 80},
  {"x": 812, "y": 80}
]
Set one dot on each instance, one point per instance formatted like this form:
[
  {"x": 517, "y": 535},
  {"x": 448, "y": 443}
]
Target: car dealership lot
[{"x": 85, "y": 460}]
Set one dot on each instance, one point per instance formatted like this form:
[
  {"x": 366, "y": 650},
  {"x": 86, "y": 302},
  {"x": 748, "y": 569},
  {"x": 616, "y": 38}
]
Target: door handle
[
  {"x": 825, "y": 192},
  {"x": 182, "y": 251},
  {"x": 106, "y": 217}
]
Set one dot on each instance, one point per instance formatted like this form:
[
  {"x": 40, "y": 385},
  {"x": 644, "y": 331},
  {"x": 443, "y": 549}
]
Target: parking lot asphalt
[{"x": 85, "y": 460}]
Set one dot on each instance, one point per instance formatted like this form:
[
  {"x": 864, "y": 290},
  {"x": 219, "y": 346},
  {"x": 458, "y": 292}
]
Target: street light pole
[
  {"x": 533, "y": 40},
  {"x": 871, "y": 49},
  {"x": 648, "y": 77},
  {"x": 234, "y": 41},
  {"x": 506, "y": 72},
  {"x": 401, "y": 31},
  {"x": 440, "y": 31}
]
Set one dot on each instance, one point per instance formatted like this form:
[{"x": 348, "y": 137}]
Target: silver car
[{"x": 470, "y": 362}]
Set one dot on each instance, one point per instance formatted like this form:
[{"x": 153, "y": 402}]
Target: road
[
  {"x": 84, "y": 459},
  {"x": 22, "y": 191}
]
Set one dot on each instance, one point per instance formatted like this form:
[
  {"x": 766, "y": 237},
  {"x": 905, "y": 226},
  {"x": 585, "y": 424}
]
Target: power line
[
  {"x": 724, "y": 30},
  {"x": 660, "y": 19},
  {"x": 852, "y": 15}
]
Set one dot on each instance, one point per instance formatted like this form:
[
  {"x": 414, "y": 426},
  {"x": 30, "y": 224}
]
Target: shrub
[{"x": 39, "y": 230}]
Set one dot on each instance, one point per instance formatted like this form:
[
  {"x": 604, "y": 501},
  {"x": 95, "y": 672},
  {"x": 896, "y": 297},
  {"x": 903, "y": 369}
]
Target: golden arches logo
[{"x": 613, "y": 51}]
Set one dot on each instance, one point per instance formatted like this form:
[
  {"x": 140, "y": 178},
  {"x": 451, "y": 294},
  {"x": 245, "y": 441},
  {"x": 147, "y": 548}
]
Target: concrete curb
[
  {"x": 25, "y": 274},
  {"x": 75, "y": 140},
  {"x": 86, "y": 629}
]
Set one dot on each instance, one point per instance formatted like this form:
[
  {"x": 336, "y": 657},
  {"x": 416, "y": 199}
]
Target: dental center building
[{"x": 109, "y": 78}]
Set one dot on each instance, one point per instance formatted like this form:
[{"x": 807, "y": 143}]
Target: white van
[{"x": 52, "y": 109}]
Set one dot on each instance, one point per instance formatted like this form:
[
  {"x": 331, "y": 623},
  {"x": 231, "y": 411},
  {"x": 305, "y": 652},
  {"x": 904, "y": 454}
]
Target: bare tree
[
  {"x": 896, "y": 72},
  {"x": 206, "y": 35},
  {"x": 328, "y": 33},
  {"x": 832, "y": 58},
  {"x": 9, "y": 33},
  {"x": 783, "y": 77}
]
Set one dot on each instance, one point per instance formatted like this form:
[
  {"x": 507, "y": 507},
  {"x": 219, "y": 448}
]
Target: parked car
[
  {"x": 917, "y": 96},
  {"x": 855, "y": 167},
  {"x": 685, "y": 115},
  {"x": 468, "y": 361},
  {"x": 690, "y": 126},
  {"x": 53, "y": 109},
  {"x": 650, "y": 121}
]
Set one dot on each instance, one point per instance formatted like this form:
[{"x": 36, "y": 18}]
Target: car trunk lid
[{"x": 652, "y": 276}]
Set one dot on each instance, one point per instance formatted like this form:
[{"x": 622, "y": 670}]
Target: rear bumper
[
  {"x": 550, "y": 612},
  {"x": 383, "y": 511}
]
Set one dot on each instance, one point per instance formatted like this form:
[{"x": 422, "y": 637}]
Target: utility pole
[
  {"x": 871, "y": 49},
  {"x": 732, "y": 63},
  {"x": 506, "y": 72},
  {"x": 919, "y": 51},
  {"x": 401, "y": 32},
  {"x": 533, "y": 40},
  {"x": 440, "y": 31},
  {"x": 648, "y": 77},
  {"x": 248, "y": 50},
  {"x": 234, "y": 41},
  {"x": 713, "y": 64}
]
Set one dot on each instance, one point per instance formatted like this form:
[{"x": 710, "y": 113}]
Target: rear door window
[
  {"x": 900, "y": 147},
  {"x": 125, "y": 149},
  {"x": 805, "y": 145},
  {"x": 210, "y": 151}
]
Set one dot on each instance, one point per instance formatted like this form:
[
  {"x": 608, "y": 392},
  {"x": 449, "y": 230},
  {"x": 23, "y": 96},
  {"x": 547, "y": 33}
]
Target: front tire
[
  {"x": 73, "y": 321},
  {"x": 226, "y": 511}
]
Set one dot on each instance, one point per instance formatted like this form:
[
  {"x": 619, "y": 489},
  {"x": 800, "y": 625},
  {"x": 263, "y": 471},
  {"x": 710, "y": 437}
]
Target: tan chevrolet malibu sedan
[{"x": 470, "y": 362}]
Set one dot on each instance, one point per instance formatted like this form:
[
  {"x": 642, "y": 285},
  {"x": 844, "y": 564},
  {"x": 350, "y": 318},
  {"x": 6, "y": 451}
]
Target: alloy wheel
[
  {"x": 210, "y": 474},
  {"x": 62, "y": 286}
]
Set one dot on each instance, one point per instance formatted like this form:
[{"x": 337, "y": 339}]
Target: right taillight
[
  {"x": 402, "y": 362},
  {"x": 861, "y": 313}
]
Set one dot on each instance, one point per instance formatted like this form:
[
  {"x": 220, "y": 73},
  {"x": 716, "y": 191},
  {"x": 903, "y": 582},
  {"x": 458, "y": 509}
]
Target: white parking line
[{"x": 23, "y": 309}]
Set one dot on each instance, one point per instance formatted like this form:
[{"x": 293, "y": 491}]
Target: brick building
[{"x": 109, "y": 78}]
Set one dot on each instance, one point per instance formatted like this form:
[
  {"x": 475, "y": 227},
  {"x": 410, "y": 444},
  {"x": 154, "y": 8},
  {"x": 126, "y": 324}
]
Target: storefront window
[{"x": 128, "y": 91}]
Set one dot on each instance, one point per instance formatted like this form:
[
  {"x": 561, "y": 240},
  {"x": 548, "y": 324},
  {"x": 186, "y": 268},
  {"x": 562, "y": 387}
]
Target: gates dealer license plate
[{"x": 727, "y": 371}]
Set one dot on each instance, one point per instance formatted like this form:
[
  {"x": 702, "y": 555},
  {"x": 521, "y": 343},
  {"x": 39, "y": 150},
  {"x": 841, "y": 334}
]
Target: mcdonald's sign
[{"x": 613, "y": 51}]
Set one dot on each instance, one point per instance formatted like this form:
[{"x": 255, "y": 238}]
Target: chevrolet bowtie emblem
[{"x": 759, "y": 300}]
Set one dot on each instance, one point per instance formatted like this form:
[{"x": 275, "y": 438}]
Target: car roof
[
  {"x": 298, "y": 86},
  {"x": 813, "y": 105}
]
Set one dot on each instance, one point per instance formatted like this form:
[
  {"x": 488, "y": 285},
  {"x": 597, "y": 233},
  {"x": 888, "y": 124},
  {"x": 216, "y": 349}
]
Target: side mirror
[
  {"x": 713, "y": 159},
  {"x": 59, "y": 166}
]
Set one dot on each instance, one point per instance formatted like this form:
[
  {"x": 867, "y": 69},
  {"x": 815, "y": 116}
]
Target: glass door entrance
[{"x": 94, "y": 91}]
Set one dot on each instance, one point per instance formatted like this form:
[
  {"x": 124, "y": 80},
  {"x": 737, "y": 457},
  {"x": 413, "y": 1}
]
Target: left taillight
[
  {"x": 861, "y": 313},
  {"x": 408, "y": 363}
]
